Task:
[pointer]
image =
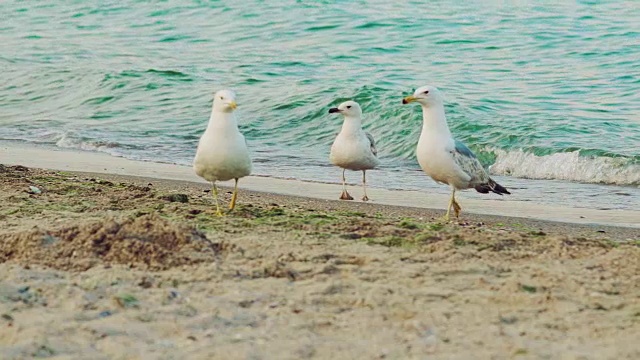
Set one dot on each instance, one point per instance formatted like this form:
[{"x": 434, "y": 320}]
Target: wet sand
[
  {"x": 118, "y": 267},
  {"x": 512, "y": 206}
]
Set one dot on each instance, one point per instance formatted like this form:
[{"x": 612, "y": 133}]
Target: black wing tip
[
  {"x": 492, "y": 186},
  {"x": 499, "y": 189}
]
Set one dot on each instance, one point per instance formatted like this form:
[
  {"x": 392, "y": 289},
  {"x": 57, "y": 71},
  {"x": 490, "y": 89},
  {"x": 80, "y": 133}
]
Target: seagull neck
[
  {"x": 434, "y": 120},
  {"x": 351, "y": 124},
  {"x": 221, "y": 119}
]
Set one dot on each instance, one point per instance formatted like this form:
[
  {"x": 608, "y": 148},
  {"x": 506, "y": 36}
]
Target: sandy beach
[
  {"x": 118, "y": 267},
  {"x": 111, "y": 247}
]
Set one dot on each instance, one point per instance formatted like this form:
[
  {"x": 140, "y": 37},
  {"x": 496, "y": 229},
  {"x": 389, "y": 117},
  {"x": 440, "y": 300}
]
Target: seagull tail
[{"x": 493, "y": 187}]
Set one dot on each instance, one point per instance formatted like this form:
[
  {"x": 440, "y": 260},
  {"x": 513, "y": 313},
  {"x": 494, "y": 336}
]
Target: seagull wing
[
  {"x": 470, "y": 165},
  {"x": 372, "y": 144}
]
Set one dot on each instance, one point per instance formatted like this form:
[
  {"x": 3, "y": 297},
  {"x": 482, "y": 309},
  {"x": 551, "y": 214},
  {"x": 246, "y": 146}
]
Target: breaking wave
[
  {"x": 567, "y": 166},
  {"x": 111, "y": 148}
]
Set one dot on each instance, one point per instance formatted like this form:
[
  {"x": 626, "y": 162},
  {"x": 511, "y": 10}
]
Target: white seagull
[
  {"x": 444, "y": 159},
  {"x": 353, "y": 149},
  {"x": 222, "y": 152}
]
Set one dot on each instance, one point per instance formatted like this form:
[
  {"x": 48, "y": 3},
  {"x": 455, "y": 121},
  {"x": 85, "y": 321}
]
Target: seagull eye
[
  {"x": 221, "y": 97},
  {"x": 426, "y": 92},
  {"x": 349, "y": 107}
]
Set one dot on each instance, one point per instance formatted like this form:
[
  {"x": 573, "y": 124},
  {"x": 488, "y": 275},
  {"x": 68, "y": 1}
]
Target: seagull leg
[
  {"x": 345, "y": 195},
  {"x": 364, "y": 185},
  {"x": 234, "y": 197},
  {"x": 215, "y": 195},
  {"x": 452, "y": 200},
  {"x": 456, "y": 206}
]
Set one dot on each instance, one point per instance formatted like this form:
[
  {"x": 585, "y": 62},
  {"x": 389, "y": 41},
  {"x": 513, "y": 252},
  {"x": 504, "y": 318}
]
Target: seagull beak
[
  {"x": 233, "y": 105},
  {"x": 334, "y": 110},
  {"x": 409, "y": 99}
]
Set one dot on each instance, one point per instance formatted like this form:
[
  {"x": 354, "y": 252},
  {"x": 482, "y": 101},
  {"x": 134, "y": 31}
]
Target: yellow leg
[
  {"x": 234, "y": 196},
  {"x": 453, "y": 204},
  {"x": 215, "y": 195},
  {"x": 456, "y": 208},
  {"x": 452, "y": 201}
]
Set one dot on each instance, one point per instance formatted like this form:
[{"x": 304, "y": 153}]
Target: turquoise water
[{"x": 539, "y": 92}]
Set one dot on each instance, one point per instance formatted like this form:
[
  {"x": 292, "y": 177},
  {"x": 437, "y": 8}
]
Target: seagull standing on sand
[
  {"x": 353, "y": 148},
  {"x": 222, "y": 151},
  {"x": 443, "y": 158}
]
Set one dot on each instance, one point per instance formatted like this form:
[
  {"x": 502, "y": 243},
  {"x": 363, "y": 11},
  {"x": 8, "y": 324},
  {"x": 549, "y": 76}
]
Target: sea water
[{"x": 546, "y": 91}]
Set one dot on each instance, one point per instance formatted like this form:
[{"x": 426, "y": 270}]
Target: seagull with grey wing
[
  {"x": 353, "y": 148},
  {"x": 444, "y": 159}
]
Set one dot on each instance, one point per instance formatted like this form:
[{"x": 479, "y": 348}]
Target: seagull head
[
  {"x": 224, "y": 101},
  {"x": 425, "y": 96},
  {"x": 348, "y": 109}
]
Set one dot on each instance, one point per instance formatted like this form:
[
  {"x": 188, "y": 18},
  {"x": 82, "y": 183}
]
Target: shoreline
[
  {"x": 99, "y": 163},
  {"x": 246, "y": 197}
]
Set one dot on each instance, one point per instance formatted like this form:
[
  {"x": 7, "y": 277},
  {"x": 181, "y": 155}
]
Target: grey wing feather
[
  {"x": 464, "y": 150},
  {"x": 372, "y": 143},
  {"x": 479, "y": 178},
  {"x": 469, "y": 163}
]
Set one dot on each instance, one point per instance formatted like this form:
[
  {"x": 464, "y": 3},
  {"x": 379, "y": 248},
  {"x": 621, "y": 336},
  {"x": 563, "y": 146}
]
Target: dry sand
[{"x": 113, "y": 267}]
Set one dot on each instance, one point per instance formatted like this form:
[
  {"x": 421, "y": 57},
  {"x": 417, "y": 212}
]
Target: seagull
[
  {"x": 353, "y": 149},
  {"x": 222, "y": 152},
  {"x": 444, "y": 159}
]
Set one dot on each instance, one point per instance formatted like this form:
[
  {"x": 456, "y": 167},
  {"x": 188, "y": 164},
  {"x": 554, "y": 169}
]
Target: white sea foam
[
  {"x": 567, "y": 166},
  {"x": 67, "y": 141}
]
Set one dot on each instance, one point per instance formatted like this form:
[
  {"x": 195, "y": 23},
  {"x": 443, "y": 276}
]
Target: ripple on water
[{"x": 547, "y": 91}]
